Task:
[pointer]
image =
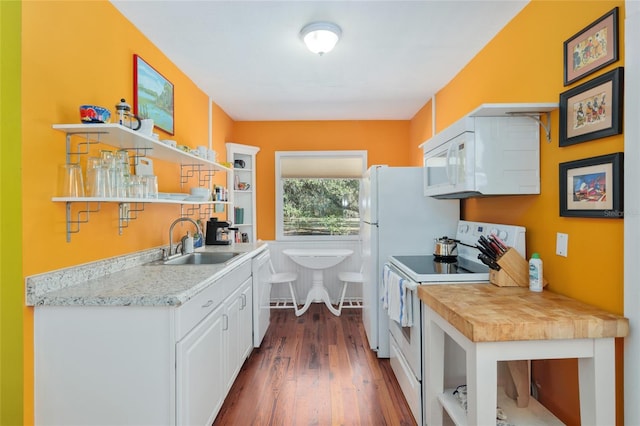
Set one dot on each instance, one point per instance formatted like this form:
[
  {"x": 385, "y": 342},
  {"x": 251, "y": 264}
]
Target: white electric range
[{"x": 406, "y": 349}]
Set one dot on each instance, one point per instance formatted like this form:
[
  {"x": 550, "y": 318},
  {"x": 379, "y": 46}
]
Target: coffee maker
[{"x": 218, "y": 232}]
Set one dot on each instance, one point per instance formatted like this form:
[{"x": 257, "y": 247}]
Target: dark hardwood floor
[{"x": 316, "y": 369}]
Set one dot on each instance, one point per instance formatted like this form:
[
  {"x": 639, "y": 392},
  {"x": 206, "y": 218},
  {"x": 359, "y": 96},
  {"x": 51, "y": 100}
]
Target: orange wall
[
  {"x": 421, "y": 130},
  {"x": 384, "y": 141},
  {"x": 75, "y": 53},
  {"x": 524, "y": 63}
]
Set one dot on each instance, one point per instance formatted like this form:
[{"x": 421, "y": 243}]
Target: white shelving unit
[
  {"x": 244, "y": 199},
  {"x": 141, "y": 146}
]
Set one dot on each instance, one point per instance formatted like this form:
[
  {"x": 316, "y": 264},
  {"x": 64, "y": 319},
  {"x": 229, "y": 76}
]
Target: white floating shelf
[
  {"x": 122, "y": 137},
  {"x": 505, "y": 110},
  {"x": 130, "y": 200}
]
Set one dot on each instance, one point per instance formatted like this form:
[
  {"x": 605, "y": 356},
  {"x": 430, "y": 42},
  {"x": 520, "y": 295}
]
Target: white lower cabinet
[
  {"x": 143, "y": 365},
  {"x": 237, "y": 337},
  {"x": 200, "y": 360},
  {"x": 246, "y": 321}
]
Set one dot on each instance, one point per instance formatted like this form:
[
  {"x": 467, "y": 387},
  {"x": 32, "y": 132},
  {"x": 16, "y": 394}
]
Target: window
[{"x": 318, "y": 194}]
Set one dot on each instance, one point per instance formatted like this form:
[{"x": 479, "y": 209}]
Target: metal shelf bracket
[
  {"x": 128, "y": 213},
  {"x": 535, "y": 116},
  {"x": 82, "y": 148},
  {"x": 82, "y": 216},
  {"x": 189, "y": 170}
]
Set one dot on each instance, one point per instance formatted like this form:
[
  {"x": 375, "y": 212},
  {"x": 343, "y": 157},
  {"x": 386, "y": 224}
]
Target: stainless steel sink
[{"x": 201, "y": 258}]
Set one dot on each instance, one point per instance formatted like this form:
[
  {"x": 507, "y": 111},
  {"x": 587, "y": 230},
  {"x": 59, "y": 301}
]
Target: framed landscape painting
[
  {"x": 591, "y": 49},
  {"x": 592, "y": 187},
  {"x": 592, "y": 110},
  {"x": 152, "y": 95}
]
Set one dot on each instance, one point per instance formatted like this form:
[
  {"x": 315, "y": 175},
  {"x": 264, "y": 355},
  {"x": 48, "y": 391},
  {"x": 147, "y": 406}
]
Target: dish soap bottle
[
  {"x": 535, "y": 273},
  {"x": 187, "y": 244},
  {"x": 198, "y": 239}
]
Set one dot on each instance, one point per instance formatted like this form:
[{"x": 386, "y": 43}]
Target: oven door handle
[{"x": 409, "y": 283}]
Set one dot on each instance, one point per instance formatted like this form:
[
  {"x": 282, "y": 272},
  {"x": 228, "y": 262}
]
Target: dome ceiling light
[{"x": 320, "y": 37}]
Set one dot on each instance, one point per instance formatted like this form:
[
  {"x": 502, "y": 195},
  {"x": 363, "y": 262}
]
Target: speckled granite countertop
[{"x": 131, "y": 280}]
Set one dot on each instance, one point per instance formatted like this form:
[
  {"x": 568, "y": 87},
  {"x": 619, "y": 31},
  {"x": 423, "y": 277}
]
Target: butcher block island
[{"x": 494, "y": 324}]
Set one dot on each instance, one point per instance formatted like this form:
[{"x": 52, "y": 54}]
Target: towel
[{"x": 396, "y": 298}]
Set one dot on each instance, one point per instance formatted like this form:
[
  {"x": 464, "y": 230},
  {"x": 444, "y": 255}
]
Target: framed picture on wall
[
  {"x": 592, "y": 110},
  {"x": 592, "y": 48},
  {"x": 592, "y": 187},
  {"x": 152, "y": 95}
]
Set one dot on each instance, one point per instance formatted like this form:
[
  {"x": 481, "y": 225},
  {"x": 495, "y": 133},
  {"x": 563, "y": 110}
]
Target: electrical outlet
[{"x": 562, "y": 244}]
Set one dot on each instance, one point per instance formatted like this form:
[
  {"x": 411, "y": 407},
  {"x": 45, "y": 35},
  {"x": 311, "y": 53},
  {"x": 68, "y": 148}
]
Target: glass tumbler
[
  {"x": 71, "y": 183},
  {"x": 122, "y": 173},
  {"x": 93, "y": 180},
  {"x": 110, "y": 165},
  {"x": 150, "y": 184},
  {"x": 136, "y": 190}
]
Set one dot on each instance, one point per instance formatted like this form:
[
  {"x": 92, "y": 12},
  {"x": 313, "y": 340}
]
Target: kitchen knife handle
[{"x": 487, "y": 245}]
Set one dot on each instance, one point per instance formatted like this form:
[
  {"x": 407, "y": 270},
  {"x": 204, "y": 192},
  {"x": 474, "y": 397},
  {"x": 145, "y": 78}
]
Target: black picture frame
[
  {"x": 592, "y": 48},
  {"x": 581, "y": 121},
  {"x": 593, "y": 187}
]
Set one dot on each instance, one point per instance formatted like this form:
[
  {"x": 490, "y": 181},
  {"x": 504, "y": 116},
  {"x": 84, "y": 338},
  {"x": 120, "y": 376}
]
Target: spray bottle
[{"x": 535, "y": 273}]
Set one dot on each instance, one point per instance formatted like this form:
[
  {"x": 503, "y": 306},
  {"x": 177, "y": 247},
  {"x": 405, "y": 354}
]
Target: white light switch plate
[{"x": 562, "y": 244}]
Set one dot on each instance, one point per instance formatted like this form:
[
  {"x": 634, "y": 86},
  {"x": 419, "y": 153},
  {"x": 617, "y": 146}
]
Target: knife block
[{"x": 514, "y": 270}]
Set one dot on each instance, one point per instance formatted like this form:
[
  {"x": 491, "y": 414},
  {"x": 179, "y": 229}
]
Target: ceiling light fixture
[{"x": 320, "y": 37}]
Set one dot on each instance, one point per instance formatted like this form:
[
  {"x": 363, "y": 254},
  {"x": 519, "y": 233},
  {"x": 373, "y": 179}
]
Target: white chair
[
  {"x": 350, "y": 277},
  {"x": 284, "y": 278}
]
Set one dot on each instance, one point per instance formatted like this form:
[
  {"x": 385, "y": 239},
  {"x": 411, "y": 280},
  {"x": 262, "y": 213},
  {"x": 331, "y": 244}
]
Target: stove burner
[{"x": 445, "y": 259}]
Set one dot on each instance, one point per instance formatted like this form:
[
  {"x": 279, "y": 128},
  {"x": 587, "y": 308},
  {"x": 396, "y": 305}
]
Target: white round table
[{"x": 317, "y": 260}]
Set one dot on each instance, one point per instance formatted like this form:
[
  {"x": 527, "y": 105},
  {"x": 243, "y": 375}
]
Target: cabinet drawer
[{"x": 199, "y": 306}]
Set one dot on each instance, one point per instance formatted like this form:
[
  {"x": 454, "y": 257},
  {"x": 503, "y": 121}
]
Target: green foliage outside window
[{"x": 321, "y": 206}]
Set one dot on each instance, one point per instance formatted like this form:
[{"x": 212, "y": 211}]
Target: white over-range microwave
[{"x": 482, "y": 154}]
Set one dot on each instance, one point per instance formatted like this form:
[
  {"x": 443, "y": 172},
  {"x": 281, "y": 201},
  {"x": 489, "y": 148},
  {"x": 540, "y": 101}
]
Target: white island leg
[
  {"x": 597, "y": 379},
  {"x": 434, "y": 369},
  {"x": 482, "y": 383}
]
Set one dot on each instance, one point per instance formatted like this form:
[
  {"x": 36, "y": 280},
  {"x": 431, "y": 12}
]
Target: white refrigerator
[{"x": 397, "y": 219}]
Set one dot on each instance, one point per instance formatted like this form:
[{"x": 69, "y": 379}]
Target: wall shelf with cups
[
  {"x": 141, "y": 146},
  {"x": 144, "y": 146}
]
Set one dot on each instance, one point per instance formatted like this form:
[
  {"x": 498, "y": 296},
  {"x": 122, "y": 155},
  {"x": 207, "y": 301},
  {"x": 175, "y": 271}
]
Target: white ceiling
[{"x": 248, "y": 56}]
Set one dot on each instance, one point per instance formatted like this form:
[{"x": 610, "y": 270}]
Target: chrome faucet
[{"x": 180, "y": 219}]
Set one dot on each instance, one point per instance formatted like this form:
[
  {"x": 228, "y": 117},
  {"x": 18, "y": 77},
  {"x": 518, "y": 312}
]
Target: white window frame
[{"x": 280, "y": 192}]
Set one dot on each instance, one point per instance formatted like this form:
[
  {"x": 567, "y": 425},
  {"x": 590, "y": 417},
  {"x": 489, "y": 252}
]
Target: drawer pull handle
[{"x": 209, "y": 303}]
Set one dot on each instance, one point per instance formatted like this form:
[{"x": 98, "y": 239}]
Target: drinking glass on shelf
[
  {"x": 122, "y": 173},
  {"x": 109, "y": 164},
  {"x": 136, "y": 190},
  {"x": 91, "y": 182},
  {"x": 71, "y": 183},
  {"x": 150, "y": 185}
]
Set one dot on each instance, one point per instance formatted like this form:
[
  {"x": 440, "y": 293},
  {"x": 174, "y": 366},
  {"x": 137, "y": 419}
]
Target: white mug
[
  {"x": 146, "y": 127},
  {"x": 202, "y": 151}
]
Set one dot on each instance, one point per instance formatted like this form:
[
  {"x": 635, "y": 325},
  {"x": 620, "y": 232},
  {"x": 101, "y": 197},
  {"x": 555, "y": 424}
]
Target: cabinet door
[
  {"x": 232, "y": 338},
  {"x": 200, "y": 369},
  {"x": 239, "y": 333},
  {"x": 246, "y": 320}
]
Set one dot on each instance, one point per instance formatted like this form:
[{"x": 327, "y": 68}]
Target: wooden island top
[{"x": 487, "y": 313}]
